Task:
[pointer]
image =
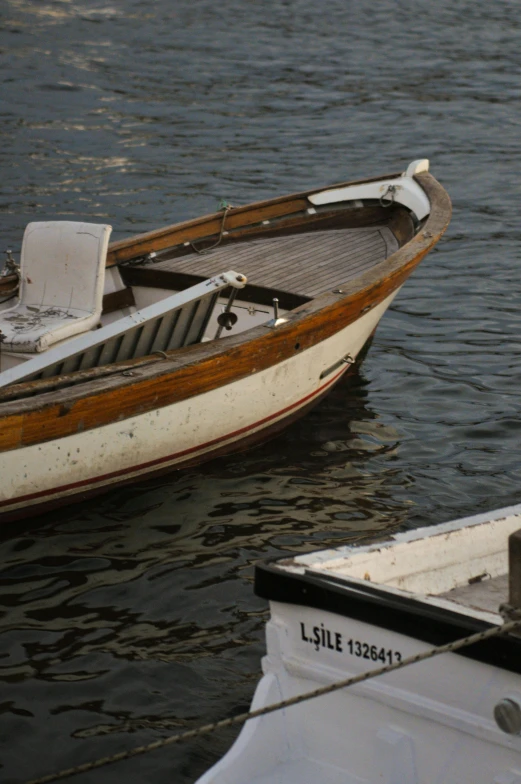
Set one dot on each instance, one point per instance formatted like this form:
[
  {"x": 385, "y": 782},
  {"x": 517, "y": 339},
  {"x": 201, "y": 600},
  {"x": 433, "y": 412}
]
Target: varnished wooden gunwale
[
  {"x": 209, "y": 225},
  {"x": 290, "y": 224},
  {"x": 203, "y": 367}
]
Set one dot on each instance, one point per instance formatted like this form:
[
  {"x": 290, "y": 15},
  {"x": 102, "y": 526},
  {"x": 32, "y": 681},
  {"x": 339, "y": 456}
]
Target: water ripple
[{"x": 132, "y": 616}]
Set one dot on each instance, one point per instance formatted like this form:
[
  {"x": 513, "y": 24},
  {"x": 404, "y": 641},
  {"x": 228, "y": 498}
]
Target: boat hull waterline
[{"x": 103, "y": 457}]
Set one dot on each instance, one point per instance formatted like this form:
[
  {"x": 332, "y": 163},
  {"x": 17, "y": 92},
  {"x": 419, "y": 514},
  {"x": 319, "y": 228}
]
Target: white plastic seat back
[
  {"x": 62, "y": 272},
  {"x": 62, "y": 265}
]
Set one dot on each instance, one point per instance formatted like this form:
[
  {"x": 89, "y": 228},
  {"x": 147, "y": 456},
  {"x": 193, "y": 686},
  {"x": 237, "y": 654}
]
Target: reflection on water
[
  {"x": 132, "y": 616},
  {"x": 136, "y": 611}
]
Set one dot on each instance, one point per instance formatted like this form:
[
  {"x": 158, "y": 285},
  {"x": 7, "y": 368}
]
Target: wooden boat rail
[{"x": 242, "y": 219}]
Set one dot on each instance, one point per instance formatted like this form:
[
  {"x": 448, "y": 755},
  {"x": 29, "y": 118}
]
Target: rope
[
  {"x": 226, "y": 208},
  {"x": 391, "y": 189},
  {"x": 242, "y": 718},
  {"x": 154, "y": 257}
]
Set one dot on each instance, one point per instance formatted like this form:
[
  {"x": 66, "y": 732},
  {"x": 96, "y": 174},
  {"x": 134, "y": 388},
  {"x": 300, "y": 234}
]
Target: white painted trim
[
  {"x": 402, "y": 699},
  {"x": 430, "y": 560},
  {"x": 406, "y": 191},
  {"x": 417, "y": 167}
]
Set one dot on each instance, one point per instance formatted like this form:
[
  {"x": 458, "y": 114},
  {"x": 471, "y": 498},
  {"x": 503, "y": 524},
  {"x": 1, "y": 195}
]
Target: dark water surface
[{"x": 132, "y": 617}]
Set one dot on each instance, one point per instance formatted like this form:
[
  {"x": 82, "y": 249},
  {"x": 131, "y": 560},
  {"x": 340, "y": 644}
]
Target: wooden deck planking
[
  {"x": 305, "y": 264},
  {"x": 358, "y": 263},
  {"x": 486, "y": 594}
]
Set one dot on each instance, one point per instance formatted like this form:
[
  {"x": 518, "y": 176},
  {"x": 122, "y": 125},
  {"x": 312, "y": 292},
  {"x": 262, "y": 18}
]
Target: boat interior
[
  {"x": 462, "y": 566},
  {"x": 74, "y": 287}
]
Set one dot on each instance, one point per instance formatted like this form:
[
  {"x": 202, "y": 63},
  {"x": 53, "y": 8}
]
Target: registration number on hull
[{"x": 322, "y": 638}]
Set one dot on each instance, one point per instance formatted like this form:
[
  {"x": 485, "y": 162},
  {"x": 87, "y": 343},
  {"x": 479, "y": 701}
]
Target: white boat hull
[
  {"x": 432, "y": 722},
  {"x": 439, "y": 721}
]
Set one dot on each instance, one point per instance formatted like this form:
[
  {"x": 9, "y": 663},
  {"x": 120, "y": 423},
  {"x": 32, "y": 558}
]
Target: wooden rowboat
[{"x": 200, "y": 339}]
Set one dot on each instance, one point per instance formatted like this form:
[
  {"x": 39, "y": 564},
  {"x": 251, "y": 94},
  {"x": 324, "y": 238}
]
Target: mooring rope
[
  {"x": 242, "y": 718},
  {"x": 155, "y": 257}
]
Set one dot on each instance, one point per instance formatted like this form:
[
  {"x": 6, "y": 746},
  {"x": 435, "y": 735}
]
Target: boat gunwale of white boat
[{"x": 349, "y": 581}]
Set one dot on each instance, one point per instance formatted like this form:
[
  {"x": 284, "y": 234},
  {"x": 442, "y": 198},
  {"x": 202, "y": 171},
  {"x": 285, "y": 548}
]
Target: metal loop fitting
[{"x": 391, "y": 189}]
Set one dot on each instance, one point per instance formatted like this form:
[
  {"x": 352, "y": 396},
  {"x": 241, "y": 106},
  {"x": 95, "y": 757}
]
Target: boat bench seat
[
  {"x": 62, "y": 272},
  {"x": 31, "y": 329},
  {"x": 176, "y": 321}
]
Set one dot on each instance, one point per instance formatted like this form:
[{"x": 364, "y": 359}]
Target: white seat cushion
[
  {"x": 62, "y": 268},
  {"x": 30, "y": 329}
]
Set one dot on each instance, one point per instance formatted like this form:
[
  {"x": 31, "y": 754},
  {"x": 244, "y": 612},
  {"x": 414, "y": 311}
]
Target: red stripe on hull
[{"x": 38, "y": 504}]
